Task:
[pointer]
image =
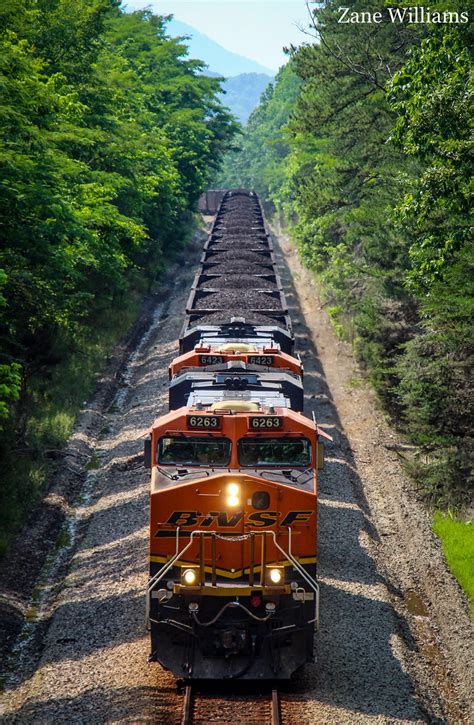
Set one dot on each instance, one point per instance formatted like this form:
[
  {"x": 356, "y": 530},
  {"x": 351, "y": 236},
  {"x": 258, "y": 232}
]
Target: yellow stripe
[
  {"x": 227, "y": 591},
  {"x": 227, "y": 573}
]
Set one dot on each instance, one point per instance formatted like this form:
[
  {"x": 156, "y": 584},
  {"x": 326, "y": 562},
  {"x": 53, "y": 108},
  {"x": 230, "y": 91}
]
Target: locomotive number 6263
[
  {"x": 203, "y": 422},
  {"x": 269, "y": 421}
]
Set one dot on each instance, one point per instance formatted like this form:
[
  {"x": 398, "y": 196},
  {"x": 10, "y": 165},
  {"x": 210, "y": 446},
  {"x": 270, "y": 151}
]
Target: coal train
[{"x": 232, "y": 592}]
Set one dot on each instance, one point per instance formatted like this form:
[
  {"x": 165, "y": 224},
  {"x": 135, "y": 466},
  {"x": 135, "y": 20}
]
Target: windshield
[
  {"x": 274, "y": 452},
  {"x": 194, "y": 451}
]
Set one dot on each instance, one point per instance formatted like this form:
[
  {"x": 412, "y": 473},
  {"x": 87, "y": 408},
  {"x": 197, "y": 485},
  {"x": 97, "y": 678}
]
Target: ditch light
[
  {"x": 189, "y": 576},
  {"x": 275, "y": 576}
]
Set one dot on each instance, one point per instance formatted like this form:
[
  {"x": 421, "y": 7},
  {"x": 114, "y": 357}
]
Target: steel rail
[
  {"x": 275, "y": 712},
  {"x": 188, "y": 703},
  {"x": 188, "y": 706}
]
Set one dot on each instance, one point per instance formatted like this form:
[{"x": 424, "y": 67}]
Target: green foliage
[
  {"x": 261, "y": 161},
  {"x": 345, "y": 177},
  {"x": 374, "y": 167},
  {"x": 48, "y": 414},
  {"x": 108, "y": 134},
  {"x": 432, "y": 96},
  {"x": 10, "y": 384},
  {"x": 10, "y": 375},
  {"x": 457, "y": 537}
]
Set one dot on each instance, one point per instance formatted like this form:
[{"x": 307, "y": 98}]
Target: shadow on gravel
[
  {"x": 141, "y": 704},
  {"x": 357, "y": 665}
]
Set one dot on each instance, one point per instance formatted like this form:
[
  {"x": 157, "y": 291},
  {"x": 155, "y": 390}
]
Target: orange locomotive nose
[{"x": 240, "y": 525}]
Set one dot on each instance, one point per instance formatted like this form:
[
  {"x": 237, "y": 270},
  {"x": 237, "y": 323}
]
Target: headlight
[
  {"x": 275, "y": 575},
  {"x": 189, "y": 577},
  {"x": 233, "y": 495}
]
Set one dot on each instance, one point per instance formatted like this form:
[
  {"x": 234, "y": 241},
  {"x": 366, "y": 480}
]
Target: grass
[{"x": 457, "y": 537}]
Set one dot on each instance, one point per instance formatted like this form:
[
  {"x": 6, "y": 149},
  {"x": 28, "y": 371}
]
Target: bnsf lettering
[
  {"x": 183, "y": 518},
  {"x": 223, "y": 519},
  {"x": 191, "y": 518},
  {"x": 295, "y": 516},
  {"x": 260, "y": 519}
]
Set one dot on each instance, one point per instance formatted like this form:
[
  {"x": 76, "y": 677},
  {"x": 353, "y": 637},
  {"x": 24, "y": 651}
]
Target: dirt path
[{"x": 392, "y": 618}]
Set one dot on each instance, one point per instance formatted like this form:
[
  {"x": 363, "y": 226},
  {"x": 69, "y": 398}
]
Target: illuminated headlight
[
  {"x": 233, "y": 495},
  {"x": 276, "y": 575},
  {"x": 189, "y": 577}
]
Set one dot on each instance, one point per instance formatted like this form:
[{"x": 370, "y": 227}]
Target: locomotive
[{"x": 232, "y": 591}]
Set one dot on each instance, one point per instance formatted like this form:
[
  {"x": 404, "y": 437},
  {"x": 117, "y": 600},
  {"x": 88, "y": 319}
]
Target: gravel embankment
[{"x": 394, "y": 640}]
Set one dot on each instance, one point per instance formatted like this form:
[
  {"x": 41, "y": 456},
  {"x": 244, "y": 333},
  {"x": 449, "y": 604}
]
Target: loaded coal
[
  {"x": 242, "y": 255},
  {"x": 238, "y": 281},
  {"x": 239, "y": 267},
  {"x": 223, "y": 246},
  {"x": 233, "y": 298},
  {"x": 240, "y": 234},
  {"x": 252, "y": 318}
]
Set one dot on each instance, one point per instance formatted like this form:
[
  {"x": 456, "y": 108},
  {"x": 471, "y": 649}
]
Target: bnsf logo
[{"x": 258, "y": 519}]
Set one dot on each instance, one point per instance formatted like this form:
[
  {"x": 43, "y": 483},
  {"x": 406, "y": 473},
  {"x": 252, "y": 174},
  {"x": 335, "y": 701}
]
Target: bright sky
[{"x": 257, "y": 29}]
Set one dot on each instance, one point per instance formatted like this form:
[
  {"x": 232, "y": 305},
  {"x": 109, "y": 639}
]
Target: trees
[
  {"x": 346, "y": 177},
  {"x": 260, "y": 163},
  {"x": 431, "y": 95},
  {"x": 108, "y": 133},
  {"x": 376, "y": 169}
]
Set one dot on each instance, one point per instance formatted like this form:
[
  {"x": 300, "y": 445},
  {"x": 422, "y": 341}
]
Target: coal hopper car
[{"x": 233, "y": 527}]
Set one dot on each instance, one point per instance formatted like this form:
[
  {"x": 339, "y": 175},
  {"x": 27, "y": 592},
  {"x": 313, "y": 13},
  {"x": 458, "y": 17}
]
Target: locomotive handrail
[{"x": 312, "y": 583}]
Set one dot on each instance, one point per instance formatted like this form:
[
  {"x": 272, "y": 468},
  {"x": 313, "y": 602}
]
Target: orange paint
[
  {"x": 201, "y": 504},
  {"x": 194, "y": 359}
]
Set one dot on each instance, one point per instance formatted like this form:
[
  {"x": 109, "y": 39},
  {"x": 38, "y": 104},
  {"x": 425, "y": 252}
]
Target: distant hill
[
  {"x": 219, "y": 60},
  {"x": 243, "y": 93}
]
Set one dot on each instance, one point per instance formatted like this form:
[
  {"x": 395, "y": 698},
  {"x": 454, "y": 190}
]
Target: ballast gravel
[{"x": 377, "y": 661}]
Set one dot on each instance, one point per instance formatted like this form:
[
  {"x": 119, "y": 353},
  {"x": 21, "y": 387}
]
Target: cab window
[
  {"x": 274, "y": 452},
  {"x": 194, "y": 451}
]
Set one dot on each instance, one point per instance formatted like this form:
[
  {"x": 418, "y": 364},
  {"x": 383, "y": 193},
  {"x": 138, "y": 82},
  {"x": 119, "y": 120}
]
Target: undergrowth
[{"x": 50, "y": 412}]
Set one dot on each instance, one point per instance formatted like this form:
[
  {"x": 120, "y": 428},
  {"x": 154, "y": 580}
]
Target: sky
[{"x": 257, "y": 29}]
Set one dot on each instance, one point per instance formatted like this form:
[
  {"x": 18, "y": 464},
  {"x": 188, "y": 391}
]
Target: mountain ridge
[
  {"x": 217, "y": 58},
  {"x": 243, "y": 92}
]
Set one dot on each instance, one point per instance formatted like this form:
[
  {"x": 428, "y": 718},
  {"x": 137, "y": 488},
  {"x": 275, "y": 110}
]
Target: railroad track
[{"x": 206, "y": 708}]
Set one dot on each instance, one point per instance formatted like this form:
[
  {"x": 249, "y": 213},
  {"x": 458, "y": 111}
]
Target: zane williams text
[{"x": 417, "y": 14}]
